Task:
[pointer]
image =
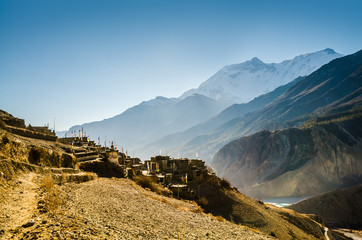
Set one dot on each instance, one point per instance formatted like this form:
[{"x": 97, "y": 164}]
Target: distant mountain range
[
  {"x": 193, "y": 140},
  {"x": 240, "y": 83},
  {"x": 144, "y": 124},
  {"x": 151, "y": 120},
  {"x": 324, "y": 154}
]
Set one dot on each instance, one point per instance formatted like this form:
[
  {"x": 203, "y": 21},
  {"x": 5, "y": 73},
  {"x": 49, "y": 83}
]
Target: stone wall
[{"x": 31, "y": 134}]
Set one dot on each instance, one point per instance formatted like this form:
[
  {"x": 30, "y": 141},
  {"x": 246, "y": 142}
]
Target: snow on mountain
[{"x": 238, "y": 83}]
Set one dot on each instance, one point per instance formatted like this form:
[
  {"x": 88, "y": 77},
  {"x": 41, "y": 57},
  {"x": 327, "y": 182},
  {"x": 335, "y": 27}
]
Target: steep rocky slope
[
  {"x": 340, "y": 208},
  {"x": 323, "y": 155}
]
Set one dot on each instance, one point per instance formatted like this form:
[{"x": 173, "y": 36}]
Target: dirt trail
[{"x": 19, "y": 204}]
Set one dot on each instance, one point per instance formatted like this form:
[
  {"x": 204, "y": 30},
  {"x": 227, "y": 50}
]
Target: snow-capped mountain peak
[
  {"x": 242, "y": 82},
  {"x": 256, "y": 60},
  {"x": 329, "y": 51},
  {"x": 159, "y": 100}
]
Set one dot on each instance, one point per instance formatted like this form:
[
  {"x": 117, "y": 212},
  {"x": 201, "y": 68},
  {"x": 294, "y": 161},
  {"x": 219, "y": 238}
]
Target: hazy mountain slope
[
  {"x": 173, "y": 141},
  {"x": 242, "y": 82},
  {"x": 152, "y": 119},
  {"x": 297, "y": 161},
  {"x": 339, "y": 208},
  {"x": 335, "y": 84}
]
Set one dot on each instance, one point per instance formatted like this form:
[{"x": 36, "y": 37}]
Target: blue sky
[{"x": 86, "y": 60}]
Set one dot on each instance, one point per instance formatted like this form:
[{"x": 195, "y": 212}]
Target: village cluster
[{"x": 181, "y": 175}]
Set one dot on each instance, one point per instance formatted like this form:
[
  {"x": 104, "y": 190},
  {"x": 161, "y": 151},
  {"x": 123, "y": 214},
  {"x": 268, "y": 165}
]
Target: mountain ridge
[
  {"x": 236, "y": 82},
  {"x": 333, "y": 142}
]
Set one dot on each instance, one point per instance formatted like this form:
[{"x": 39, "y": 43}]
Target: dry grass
[
  {"x": 184, "y": 205},
  {"x": 80, "y": 177},
  {"x": 199, "y": 209},
  {"x": 203, "y": 201},
  {"x": 220, "y": 218},
  {"x": 63, "y": 178},
  {"x": 52, "y": 199},
  {"x": 147, "y": 182},
  {"x": 12, "y": 149}
]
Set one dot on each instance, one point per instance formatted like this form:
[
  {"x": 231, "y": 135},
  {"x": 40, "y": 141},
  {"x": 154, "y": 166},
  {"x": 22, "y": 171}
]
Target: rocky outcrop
[
  {"x": 10, "y": 120},
  {"x": 50, "y": 158},
  {"x": 30, "y": 134},
  {"x": 297, "y": 161}
]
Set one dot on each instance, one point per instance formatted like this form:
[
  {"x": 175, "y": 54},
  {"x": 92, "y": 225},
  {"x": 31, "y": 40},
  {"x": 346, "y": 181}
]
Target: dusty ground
[
  {"x": 18, "y": 204},
  {"x": 106, "y": 209}
]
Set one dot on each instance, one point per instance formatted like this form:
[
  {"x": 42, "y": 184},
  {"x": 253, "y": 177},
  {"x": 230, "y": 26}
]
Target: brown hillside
[
  {"x": 281, "y": 223},
  {"x": 339, "y": 208}
]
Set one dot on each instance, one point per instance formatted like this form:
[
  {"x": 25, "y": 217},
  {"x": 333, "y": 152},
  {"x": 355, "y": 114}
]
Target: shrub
[
  {"x": 198, "y": 209},
  {"x": 203, "y": 201},
  {"x": 145, "y": 182},
  {"x": 80, "y": 177},
  {"x": 225, "y": 184},
  {"x": 150, "y": 183}
]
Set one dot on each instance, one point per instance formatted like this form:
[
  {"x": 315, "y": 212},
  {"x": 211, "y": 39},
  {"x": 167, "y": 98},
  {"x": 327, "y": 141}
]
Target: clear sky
[{"x": 86, "y": 60}]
